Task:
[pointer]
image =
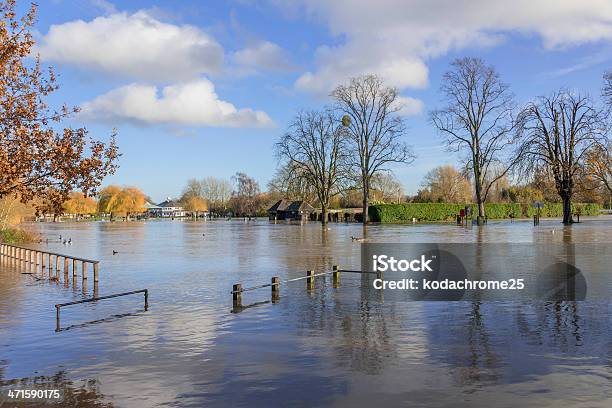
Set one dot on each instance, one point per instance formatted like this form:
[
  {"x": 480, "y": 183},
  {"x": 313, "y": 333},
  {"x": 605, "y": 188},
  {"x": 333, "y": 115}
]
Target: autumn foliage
[
  {"x": 121, "y": 201},
  {"x": 38, "y": 163}
]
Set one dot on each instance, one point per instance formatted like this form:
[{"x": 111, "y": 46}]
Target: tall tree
[
  {"x": 245, "y": 195},
  {"x": 599, "y": 166},
  {"x": 217, "y": 191},
  {"x": 607, "y": 89},
  {"x": 121, "y": 201},
  {"x": 371, "y": 116},
  {"x": 477, "y": 120},
  {"x": 314, "y": 149},
  {"x": 290, "y": 183},
  {"x": 559, "y": 132},
  {"x": 35, "y": 160}
]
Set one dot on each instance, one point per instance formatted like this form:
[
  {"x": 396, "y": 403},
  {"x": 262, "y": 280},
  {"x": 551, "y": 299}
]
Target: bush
[
  {"x": 398, "y": 213},
  {"x": 16, "y": 236}
]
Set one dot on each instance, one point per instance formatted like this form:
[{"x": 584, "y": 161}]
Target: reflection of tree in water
[
  {"x": 366, "y": 342},
  {"x": 86, "y": 395},
  {"x": 482, "y": 360},
  {"x": 360, "y": 335}
]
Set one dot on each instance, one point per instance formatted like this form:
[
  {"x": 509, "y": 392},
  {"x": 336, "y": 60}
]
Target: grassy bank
[
  {"x": 399, "y": 213},
  {"x": 14, "y": 235}
]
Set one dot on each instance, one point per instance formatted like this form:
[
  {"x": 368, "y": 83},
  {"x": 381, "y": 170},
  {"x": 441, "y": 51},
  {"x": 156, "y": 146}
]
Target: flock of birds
[{"x": 68, "y": 241}]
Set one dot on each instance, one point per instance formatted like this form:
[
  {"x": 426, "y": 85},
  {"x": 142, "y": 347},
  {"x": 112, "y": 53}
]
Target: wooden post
[
  {"x": 42, "y": 261},
  {"x": 237, "y": 295},
  {"x": 84, "y": 271},
  {"x": 336, "y": 275},
  {"x": 50, "y": 264},
  {"x": 146, "y": 296},
  {"x": 66, "y": 268},
  {"x": 275, "y": 288},
  {"x": 57, "y": 318},
  {"x": 95, "y": 271},
  {"x": 57, "y": 267},
  {"x": 310, "y": 279}
]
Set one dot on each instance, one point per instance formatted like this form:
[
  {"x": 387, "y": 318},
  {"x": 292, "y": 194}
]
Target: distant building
[
  {"x": 290, "y": 210},
  {"x": 167, "y": 209}
]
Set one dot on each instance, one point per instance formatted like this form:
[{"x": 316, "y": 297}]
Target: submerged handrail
[{"x": 95, "y": 299}]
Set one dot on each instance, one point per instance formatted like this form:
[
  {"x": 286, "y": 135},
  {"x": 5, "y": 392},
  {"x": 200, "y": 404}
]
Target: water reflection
[{"x": 342, "y": 346}]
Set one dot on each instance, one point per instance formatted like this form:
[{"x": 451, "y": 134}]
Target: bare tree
[
  {"x": 371, "y": 116},
  {"x": 598, "y": 166},
  {"x": 245, "y": 195},
  {"x": 478, "y": 120},
  {"x": 559, "y": 132},
  {"x": 193, "y": 189},
  {"x": 314, "y": 149},
  {"x": 607, "y": 89},
  {"x": 388, "y": 185},
  {"x": 445, "y": 184},
  {"x": 291, "y": 183},
  {"x": 217, "y": 191}
]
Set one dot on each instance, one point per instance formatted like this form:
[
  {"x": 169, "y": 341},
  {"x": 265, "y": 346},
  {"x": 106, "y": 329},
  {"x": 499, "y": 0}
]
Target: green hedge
[{"x": 397, "y": 213}]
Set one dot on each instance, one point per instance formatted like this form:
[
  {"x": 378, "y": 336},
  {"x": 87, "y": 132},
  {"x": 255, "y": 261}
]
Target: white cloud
[
  {"x": 262, "y": 55},
  {"x": 136, "y": 45},
  {"x": 394, "y": 38},
  {"x": 193, "y": 103},
  {"x": 409, "y": 106}
]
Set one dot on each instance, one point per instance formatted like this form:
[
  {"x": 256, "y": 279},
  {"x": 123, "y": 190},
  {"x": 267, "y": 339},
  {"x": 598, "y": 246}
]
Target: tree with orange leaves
[{"x": 36, "y": 162}]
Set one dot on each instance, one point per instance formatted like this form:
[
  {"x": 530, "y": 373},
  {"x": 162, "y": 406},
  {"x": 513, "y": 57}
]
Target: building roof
[
  {"x": 169, "y": 203},
  {"x": 280, "y": 205},
  {"x": 300, "y": 206},
  {"x": 286, "y": 205},
  {"x": 150, "y": 206}
]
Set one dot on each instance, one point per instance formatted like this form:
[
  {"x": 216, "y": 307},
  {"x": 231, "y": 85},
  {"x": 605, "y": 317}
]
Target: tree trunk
[
  {"x": 567, "y": 209},
  {"x": 366, "y": 200},
  {"x": 323, "y": 215}
]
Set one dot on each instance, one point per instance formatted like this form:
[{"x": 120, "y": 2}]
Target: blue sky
[{"x": 205, "y": 88}]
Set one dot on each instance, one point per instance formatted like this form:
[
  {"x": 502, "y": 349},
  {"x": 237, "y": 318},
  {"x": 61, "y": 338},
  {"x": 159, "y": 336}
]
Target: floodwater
[{"x": 343, "y": 346}]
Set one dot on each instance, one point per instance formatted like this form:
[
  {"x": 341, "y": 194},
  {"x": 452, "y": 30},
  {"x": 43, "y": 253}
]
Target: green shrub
[
  {"x": 398, "y": 213},
  {"x": 15, "y": 236}
]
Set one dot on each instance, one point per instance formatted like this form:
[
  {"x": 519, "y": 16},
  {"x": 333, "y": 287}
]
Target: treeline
[{"x": 555, "y": 147}]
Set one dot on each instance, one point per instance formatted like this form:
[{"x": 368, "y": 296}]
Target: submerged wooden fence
[
  {"x": 275, "y": 283},
  {"x": 36, "y": 259}
]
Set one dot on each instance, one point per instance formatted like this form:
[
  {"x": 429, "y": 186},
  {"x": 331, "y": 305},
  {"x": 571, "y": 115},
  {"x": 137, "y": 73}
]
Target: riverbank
[{"x": 16, "y": 235}]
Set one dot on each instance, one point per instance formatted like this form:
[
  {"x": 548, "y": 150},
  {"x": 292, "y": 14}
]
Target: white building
[{"x": 166, "y": 209}]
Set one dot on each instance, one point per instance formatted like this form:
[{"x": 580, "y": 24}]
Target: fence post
[
  {"x": 95, "y": 271},
  {"x": 74, "y": 271},
  {"x": 310, "y": 279},
  {"x": 57, "y": 267},
  {"x": 84, "y": 270},
  {"x": 237, "y": 295},
  {"x": 275, "y": 288},
  {"x": 66, "y": 268},
  {"x": 146, "y": 296},
  {"x": 42, "y": 261},
  {"x": 57, "y": 318},
  {"x": 336, "y": 275}
]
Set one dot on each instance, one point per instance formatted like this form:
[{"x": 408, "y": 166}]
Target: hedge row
[{"x": 397, "y": 213}]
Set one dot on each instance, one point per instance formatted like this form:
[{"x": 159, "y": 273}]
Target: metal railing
[
  {"x": 238, "y": 290},
  {"x": 95, "y": 299},
  {"x": 47, "y": 260}
]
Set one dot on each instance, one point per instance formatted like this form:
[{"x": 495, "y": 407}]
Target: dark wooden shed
[{"x": 290, "y": 210}]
